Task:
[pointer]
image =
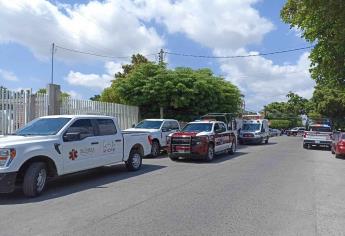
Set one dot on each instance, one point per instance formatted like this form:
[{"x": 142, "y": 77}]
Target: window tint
[
  {"x": 83, "y": 126},
  {"x": 216, "y": 127},
  {"x": 106, "y": 127},
  {"x": 222, "y": 127}
]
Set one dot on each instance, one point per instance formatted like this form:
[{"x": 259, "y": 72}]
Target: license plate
[{"x": 183, "y": 151}]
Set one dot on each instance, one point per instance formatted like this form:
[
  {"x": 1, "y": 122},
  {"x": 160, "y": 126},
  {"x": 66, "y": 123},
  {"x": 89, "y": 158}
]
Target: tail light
[
  {"x": 150, "y": 139},
  {"x": 304, "y": 134}
]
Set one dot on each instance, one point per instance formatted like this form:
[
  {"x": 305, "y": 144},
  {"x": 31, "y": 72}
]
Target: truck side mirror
[
  {"x": 69, "y": 137},
  {"x": 133, "y": 126}
]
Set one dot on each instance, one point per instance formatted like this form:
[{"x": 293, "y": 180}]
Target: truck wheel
[
  {"x": 333, "y": 152},
  {"x": 233, "y": 148},
  {"x": 134, "y": 161},
  {"x": 35, "y": 179},
  {"x": 266, "y": 141},
  {"x": 210, "y": 153},
  {"x": 155, "y": 149},
  {"x": 305, "y": 146}
]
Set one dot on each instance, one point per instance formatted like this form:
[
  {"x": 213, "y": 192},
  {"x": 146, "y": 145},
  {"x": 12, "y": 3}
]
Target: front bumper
[
  {"x": 251, "y": 139},
  {"x": 320, "y": 143},
  {"x": 187, "y": 155},
  {"x": 7, "y": 182}
]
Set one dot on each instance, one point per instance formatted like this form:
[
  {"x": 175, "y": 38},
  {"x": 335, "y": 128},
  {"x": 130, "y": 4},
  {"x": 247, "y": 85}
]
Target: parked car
[
  {"x": 254, "y": 131},
  {"x": 275, "y": 132},
  {"x": 202, "y": 140},
  {"x": 295, "y": 131},
  {"x": 338, "y": 144},
  {"x": 159, "y": 129},
  {"x": 319, "y": 135},
  {"x": 57, "y": 145}
]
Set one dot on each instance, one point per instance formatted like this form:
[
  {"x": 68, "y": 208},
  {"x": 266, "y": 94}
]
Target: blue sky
[{"x": 120, "y": 28}]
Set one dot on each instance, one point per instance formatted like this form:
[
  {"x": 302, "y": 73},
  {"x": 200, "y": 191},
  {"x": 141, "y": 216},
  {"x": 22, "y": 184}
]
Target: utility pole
[
  {"x": 161, "y": 61},
  {"x": 52, "y": 75},
  {"x": 161, "y": 57}
]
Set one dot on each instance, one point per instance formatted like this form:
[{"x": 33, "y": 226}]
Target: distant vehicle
[
  {"x": 275, "y": 132},
  {"x": 295, "y": 131},
  {"x": 338, "y": 144},
  {"x": 159, "y": 129},
  {"x": 254, "y": 131},
  {"x": 319, "y": 135},
  {"x": 57, "y": 145},
  {"x": 202, "y": 140}
]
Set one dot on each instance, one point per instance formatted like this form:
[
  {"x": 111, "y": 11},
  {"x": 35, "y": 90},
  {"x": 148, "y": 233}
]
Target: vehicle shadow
[
  {"x": 217, "y": 159},
  {"x": 256, "y": 144},
  {"x": 78, "y": 182}
]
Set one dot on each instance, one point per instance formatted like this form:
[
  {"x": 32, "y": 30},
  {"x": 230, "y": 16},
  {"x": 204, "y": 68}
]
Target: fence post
[
  {"x": 32, "y": 107},
  {"x": 54, "y": 99}
]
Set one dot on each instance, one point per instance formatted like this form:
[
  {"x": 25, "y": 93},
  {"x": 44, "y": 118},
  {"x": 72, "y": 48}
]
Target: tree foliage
[
  {"x": 322, "y": 23},
  {"x": 184, "y": 93},
  {"x": 44, "y": 91}
]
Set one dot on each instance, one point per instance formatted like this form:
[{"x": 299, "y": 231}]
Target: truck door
[
  {"x": 166, "y": 130},
  {"x": 111, "y": 141},
  {"x": 222, "y": 138},
  {"x": 80, "y": 146}
]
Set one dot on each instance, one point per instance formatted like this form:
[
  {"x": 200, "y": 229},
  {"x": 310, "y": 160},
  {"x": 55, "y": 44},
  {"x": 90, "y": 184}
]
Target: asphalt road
[{"x": 274, "y": 189}]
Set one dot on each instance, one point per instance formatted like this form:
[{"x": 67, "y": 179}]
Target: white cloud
[
  {"x": 105, "y": 27},
  {"x": 215, "y": 24},
  {"x": 8, "y": 75},
  {"x": 95, "y": 81},
  {"x": 262, "y": 81},
  {"x": 75, "y": 94}
]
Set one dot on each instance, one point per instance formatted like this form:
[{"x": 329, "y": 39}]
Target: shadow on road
[
  {"x": 78, "y": 182},
  {"x": 256, "y": 144},
  {"x": 217, "y": 159}
]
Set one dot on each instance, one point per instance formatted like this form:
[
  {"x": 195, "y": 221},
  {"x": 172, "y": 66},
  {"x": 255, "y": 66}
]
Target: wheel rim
[
  {"x": 155, "y": 149},
  {"x": 41, "y": 180},
  {"x": 210, "y": 153},
  {"x": 136, "y": 160}
]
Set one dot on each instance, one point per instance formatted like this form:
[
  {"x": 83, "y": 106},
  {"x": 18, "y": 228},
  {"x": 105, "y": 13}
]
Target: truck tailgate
[{"x": 314, "y": 135}]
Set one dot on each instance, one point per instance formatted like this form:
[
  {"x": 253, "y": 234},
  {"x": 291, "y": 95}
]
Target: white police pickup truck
[
  {"x": 159, "y": 130},
  {"x": 57, "y": 145}
]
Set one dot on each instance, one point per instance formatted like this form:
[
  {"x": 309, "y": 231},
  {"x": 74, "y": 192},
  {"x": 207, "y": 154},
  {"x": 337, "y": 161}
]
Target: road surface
[{"x": 274, "y": 189}]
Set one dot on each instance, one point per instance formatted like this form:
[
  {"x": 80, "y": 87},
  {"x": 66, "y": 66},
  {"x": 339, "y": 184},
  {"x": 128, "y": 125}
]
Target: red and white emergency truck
[{"x": 202, "y": 140}]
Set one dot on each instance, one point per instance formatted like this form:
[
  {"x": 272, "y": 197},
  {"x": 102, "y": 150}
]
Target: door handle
[
  {"x": 118, "y": 140},
  {"x": 94, "y": 143}
]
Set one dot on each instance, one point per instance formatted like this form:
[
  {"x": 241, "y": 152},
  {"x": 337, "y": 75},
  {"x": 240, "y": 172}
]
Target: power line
[
  {"x": 98, "y": 54},
  {"x": 238, "y": 56}
]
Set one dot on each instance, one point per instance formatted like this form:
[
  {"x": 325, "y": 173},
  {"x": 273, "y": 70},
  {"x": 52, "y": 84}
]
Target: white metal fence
[
  {"x": 126, "y": 115},
  {"x": 18, "y": 108},
  {"x": 14, "y": 110}
]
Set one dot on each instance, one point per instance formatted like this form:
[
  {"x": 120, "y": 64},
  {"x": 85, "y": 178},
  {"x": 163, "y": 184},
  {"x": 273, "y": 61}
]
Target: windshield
[
  {"x": 45, "y": 126},
  {"x": 321, "y": 129},
  {"x": 251, "y": 127},
  {"x": 198, "y": 127},
  {"x": 149, "y": 124}
]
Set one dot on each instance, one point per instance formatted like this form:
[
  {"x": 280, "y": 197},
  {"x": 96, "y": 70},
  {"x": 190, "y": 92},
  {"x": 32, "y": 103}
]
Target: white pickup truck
[
  {"x": 319, "y": 135},
  {"x": 159, "y": 130},
  {"x": 57, "y": 145}
]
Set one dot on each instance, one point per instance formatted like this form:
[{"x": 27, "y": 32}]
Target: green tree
[
  {"x": 95, "y": 98},
  {"x": 321, "y": 23},
  {"x": 183, "y": 93}
]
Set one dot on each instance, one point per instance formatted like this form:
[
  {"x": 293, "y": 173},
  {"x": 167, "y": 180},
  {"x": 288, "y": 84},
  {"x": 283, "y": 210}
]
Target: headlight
[
  {"x": 198, "y": 140},
  {"x": 7, "y": 155}
]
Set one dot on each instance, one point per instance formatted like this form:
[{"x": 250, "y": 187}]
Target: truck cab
[
  {"x": 254, "y": 131},
  {"x": 201, "y": 140}
]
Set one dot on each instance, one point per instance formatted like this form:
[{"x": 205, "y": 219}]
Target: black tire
[
  {"x": 266, "y": 141},
  {"x": 232, "y": 150},
  {"x": 134, "y": 161},
  {"x": 305, "y": 146},
  {"x": 155, "y": 149},
  {"x": 35, "y": 179},
  {"x": 333, "y": 152},
  {"x": 210, "y": 153},
  {"x": 173, "y": 158}
]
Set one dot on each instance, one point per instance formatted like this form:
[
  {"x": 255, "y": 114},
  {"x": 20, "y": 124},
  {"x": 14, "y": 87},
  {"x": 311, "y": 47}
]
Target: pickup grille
[{"x": 180, "y": 141}]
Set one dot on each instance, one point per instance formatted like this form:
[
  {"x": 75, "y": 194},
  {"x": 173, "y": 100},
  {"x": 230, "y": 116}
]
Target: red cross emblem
[{"x": 73, "y": 154}]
